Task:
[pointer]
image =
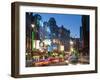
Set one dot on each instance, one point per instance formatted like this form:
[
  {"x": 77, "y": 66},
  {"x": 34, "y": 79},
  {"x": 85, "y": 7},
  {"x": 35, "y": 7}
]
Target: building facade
[{"x": 85, "y": 34}]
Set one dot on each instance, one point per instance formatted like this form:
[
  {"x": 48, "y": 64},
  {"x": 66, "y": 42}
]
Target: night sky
[{"x": 69, "y": 21}]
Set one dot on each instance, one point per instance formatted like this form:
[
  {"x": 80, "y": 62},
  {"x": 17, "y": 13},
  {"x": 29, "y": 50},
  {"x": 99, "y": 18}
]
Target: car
[
  {"x": 73, "y": 59},
  {"x": 61, "y": 59},
  {"x": 54, "y": 60},
  {"x": 42, "y": 63}
]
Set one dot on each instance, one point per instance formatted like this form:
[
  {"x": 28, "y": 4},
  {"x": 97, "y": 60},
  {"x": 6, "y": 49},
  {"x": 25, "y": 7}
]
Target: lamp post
[
  {"x": 33, "y": 35},
  {"x": 71, "y": 46}
]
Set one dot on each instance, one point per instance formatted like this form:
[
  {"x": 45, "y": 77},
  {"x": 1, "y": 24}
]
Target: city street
[
  {"x": 82, "y": 60},
  {"x": 50, "y": 44}
]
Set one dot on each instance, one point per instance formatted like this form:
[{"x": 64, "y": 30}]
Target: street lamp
[
  {"x": 71, "y": 46},
  {"x": 71, "y": 42},
  {"x": 71, "y": 49},
  {"x": 32, "y": 25},
  {"x": 33, "y": 36},
  {"x": 61, "y": 48}
]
